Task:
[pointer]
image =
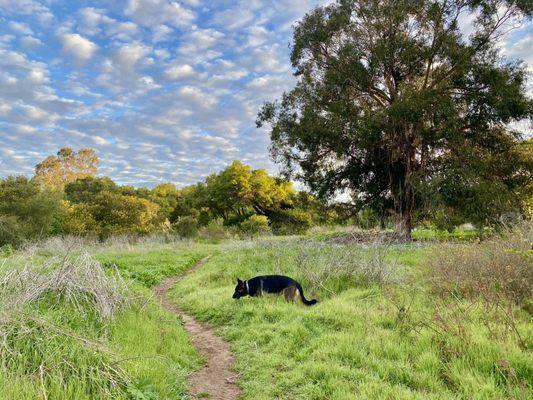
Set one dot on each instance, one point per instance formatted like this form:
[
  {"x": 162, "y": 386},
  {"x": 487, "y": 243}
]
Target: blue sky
[{"x": 162, "y": 90}]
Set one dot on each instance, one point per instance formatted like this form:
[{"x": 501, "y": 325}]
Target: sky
[{"x": 164, "y": 91}]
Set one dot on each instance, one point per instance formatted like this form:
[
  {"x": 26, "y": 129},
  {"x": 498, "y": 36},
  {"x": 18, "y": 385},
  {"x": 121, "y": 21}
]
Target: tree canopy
[
  {"x": 67, "y": 166},
  {"x": 393, "y": 104}
]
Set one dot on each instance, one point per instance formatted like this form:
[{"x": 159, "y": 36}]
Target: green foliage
[
  {"x": 26, "y": 212},
  {"x": 216, "y": 231},
  {"x": 166, "y": 196},
  {"x": 254, "y": 225},
  {"x": 291, "y": 222},
  {"x": 117, "y": 214},
  {"x": 186, "y": 227},
  {"x": 238, "y": 190},
  {"x": 381, "y": 109},
  {"x": 78, "y": 219},
  {"x": 85, "y": 190},
  {"x": 68, "y": 165}
]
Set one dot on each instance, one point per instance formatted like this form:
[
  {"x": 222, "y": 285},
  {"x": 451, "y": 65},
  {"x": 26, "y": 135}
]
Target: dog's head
[{"x": 240, "y": 289}]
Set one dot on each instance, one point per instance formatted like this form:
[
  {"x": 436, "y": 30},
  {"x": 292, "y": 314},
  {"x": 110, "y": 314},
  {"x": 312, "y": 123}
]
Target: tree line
[{"x": 65, "y": 196}]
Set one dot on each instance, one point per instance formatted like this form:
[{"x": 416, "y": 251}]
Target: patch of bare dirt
[{"x": 216, "y": 380}]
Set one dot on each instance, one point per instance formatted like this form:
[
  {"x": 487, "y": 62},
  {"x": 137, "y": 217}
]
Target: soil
[{"x": 216, "y": 380}]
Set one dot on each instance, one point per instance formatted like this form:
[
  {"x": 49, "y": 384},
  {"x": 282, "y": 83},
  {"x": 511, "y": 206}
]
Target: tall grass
[
  {"x": 367, "y": 338},
  {"x": 44, "y": 308},
  {"x": 501, "y": 266},
  {"x": 72, "y": 329}
]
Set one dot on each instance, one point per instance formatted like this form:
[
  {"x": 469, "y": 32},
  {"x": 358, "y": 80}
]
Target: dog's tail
[{"x": 304, "y": 300}]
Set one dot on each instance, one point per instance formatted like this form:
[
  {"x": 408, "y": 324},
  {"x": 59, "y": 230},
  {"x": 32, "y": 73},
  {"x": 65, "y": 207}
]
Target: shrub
[
  {"x": 500, "y": 266},
  {"x": 11, "y": 231},
  {"x": 26, "y": 212},
  {"x": 119, "y": 214},
  {"x": 77, "y": 219},
  {"x": 79, "y": 280},
  {"x": 186, "y": 227},
  {"x": 6, "y": 250},
  {"x": 255, "y": 225},
  {"x": 291, "y": 222},
  {"x": 215, "y": 230},
  {"x": 324, "y": 265}
]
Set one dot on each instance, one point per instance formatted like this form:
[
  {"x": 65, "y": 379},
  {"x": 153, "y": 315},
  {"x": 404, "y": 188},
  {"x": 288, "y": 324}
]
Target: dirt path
[{"x": 216, "y": 380}]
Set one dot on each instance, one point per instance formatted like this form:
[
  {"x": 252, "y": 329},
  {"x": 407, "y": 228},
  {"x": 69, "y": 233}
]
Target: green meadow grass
[
  {"x": 64, "y": 351},
  {"x": 361, "y": 340},
  {"x": 150, "y": 266},
  {"x": 365, "y": 339}
]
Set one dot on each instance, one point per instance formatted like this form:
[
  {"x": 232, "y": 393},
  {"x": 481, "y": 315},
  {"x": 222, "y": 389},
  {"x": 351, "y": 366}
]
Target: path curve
[{"x": 216, "y": 380}]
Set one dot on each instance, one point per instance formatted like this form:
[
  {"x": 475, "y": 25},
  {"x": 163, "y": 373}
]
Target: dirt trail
[{"x": 216, "y": 380}]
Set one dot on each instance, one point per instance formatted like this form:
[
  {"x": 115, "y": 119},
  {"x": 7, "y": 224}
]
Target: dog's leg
[{"x": 291, "y": 294}]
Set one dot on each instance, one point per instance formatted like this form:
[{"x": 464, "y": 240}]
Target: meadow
[{"x": 390, "y": 322}]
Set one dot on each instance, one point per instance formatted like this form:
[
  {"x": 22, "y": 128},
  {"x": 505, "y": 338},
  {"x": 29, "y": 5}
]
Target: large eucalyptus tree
[{"x": 391, "y": 96}]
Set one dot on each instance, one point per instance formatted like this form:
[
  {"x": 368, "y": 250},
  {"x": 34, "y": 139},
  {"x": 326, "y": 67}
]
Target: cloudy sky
[{"x": 162, "y": 90}]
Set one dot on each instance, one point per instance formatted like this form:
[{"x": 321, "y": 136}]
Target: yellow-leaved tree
[{"x": 65, "y": 167}]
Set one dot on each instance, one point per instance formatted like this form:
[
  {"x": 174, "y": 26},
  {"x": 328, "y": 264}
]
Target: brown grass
[{"x": 498, "y": 267}]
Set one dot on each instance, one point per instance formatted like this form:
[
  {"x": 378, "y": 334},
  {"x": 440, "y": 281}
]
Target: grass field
[
  {"x": 62, "y": 349},
  {"x": 379, "y": 331},
  {"x": 364, "y": 339}
]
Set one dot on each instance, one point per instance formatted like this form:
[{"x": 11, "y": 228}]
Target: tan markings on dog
[{"x": 291, "y": 294}]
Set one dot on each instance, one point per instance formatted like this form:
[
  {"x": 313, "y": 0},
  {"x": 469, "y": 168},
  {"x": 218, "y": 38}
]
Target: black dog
[{"x": 271, "y": 284}]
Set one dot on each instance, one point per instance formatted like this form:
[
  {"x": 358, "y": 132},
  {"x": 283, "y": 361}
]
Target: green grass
[
  {"x": 149, "y": 267},
  {"x": 362, "y": 341},
  {"x": 62, "y": 350},
  {"x": 434, "y": 234}
]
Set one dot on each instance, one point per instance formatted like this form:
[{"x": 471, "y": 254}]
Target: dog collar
[{"x": 247, "y": 287}]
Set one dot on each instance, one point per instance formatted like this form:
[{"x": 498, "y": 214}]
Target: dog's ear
[{"x": 239, "y": 281}]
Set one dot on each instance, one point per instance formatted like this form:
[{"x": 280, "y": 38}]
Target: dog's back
[{"x": 260, "y": 285}]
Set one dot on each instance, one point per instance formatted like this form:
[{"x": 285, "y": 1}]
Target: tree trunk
[
  {"x": 402, "y": 193},
  {"x": 402, "y": 228}
]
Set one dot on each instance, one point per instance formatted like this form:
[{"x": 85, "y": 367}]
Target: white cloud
[
  {"x": 161, "y": 33},
  {"x": 130, "y": 54},
  {"x": 80, "y": 48},
  {"x": 156, "y": 12},
  {"x": 30, "y": 42},
  {"x": 94, "y": 21},
  {"x": 27, "y": 7},
  {"x": 20, "y": 27},
  {"x": 33, "y": 112},
  {"x": 523, "y": 49},
  {"x": 5, "y": 108},
  {"x": 179, "y": 71},
  {"x": 38, "y": 75},
  {"x": 198, "y": 96},
  {"x": 204, "y": 38}
]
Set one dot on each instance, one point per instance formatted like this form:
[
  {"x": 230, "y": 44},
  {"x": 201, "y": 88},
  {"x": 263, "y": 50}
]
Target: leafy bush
[
  {"x": 26, "y": 212},
  {"x": 500, "y": 266},
  {"x": 186, "y": 227},
  {"x": 291, "y": 222},
  {"x": 215, "y": 230},
  {"x": 78, "y": 219},
  {"x": 119, "y": 214},
  {"x": 255, "y": 225},
  {"x": 11, "y": 231},
  {"x": 6, "y": 250}
]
